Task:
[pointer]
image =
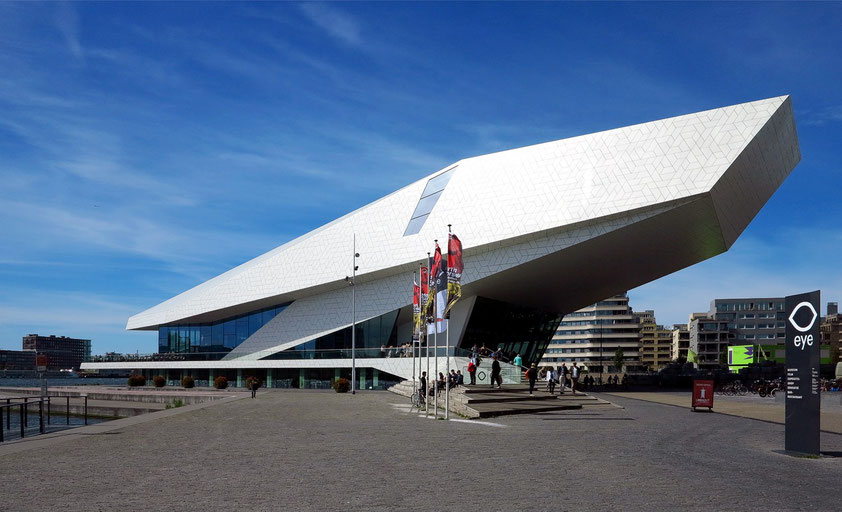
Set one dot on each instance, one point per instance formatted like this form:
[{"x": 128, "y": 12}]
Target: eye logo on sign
[{"x": 799, "y": 328}]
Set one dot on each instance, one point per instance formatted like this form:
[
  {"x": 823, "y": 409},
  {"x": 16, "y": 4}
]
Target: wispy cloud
[
  {"x": 67, "y": 22},
  {"x": 832, "y": 114},
  {"x": 339, "y": 25}
]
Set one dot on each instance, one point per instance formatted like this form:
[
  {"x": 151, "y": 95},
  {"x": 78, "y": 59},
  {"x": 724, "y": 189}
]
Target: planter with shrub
[
  {"x": 188, "y": 382},
  {"x": 342, "y": 385},
  {"x": 136, "y": 380},
  {"x": 160, "y": 381},
  {"x": 220, "y": 382}
]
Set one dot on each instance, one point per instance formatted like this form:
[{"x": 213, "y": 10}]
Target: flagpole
[
  {"x": 436, "y": 348},
  {"x": 354, "y": 320},
  {"x": 412, "y": 338},
  {"x": 447, "y": 349},
  {"x": 427, "y": 342}
]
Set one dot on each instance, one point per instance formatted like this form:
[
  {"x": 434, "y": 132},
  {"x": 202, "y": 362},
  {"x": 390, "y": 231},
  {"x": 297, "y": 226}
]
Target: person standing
[
  {"x": 423, "y": 387},
  {"x": 574, "y": 377},
  {"x": 551, "y": 378},
  {"x": 563, "y": 373},
  {"x": 532, "y": 375},
  {"x": 495, "y": 373},
  {"x": 472, "y": 372}
]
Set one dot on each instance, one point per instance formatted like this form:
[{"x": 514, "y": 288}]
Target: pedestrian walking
[
  {"x": 574, "y": 377},
  {"x": 255, "y": 384},
  {"x": 496, "y": 378},
  {"x": 532, "y": 375},
  {"x": 518, "y": 361}
]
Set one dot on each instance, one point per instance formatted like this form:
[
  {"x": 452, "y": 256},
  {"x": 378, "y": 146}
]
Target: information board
[
  {"x": 803, "y": 401},
  {"x": 702, "y": 394}
]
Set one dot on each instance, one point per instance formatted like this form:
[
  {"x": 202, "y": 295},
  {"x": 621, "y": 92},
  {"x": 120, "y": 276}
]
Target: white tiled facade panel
[{"x": 509, "y": 208}]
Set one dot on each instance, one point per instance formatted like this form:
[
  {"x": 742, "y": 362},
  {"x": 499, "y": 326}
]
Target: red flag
[
  {"x": 416, "y": 307},
  {"x": 454, "y": 272}
]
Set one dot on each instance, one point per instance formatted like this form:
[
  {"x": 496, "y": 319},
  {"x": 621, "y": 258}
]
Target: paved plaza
[{"x": 299, "y": 450}]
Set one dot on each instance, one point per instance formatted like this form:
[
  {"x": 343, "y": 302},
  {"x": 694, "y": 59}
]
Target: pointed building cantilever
[{"x": 546, "y": 229}]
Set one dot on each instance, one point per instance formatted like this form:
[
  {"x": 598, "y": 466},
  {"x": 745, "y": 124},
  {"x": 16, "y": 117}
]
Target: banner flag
[
  {"x": 441, "y": 293},
  {"x": 425, "y": 286},
  {"x": 432, "y": 306},
  {"x": 416, "y": 308},
  {"x": 454, "y": 273}
]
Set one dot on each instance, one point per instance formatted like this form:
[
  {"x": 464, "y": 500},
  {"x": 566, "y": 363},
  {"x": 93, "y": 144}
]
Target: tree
[
  {"x": 618, "y": 359},
  {"x": 834, "y": 354},
  {"x": 723, "y": 356}
]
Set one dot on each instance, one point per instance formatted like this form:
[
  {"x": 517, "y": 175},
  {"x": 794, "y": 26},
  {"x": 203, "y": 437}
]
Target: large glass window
[
  {"x": 429, "y": 197},
  {"x": 221, "y": 336}
]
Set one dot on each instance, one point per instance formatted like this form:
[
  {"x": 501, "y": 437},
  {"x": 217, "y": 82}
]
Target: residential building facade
[
  {"x": 62, "y": 353},
  {"x": 680, "y": 342},
  {"x": 591, "y": 337},
  {"x": 655, "y": 341},
  {"x": 760, "y": 321}
]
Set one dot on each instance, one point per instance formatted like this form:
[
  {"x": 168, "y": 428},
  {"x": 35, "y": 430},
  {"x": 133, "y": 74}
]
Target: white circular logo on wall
[{"x": 804, "y": 304}]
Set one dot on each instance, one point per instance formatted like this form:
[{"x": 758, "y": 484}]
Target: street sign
[
  {"x": 803, "y": 352},
  {"x": 702, "y": 394}
]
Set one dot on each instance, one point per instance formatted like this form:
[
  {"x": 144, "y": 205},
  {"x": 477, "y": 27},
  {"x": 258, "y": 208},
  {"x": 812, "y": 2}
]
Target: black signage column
[{"x": 803, "y": 401}]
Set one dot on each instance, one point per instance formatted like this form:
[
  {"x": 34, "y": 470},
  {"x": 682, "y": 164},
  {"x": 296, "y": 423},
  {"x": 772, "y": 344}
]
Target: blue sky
[{"x": 146, "y": 147}]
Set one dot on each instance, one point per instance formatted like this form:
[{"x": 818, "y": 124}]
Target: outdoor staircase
[{"x": 483, "y": 401}]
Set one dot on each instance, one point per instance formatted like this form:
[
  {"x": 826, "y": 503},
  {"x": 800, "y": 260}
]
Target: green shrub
[
  {"x": 175, "y": 403},
  {"x": 220, "y": 382},
  {"x": 188, "y": 382},
  {"x": 160, "y": 381},
  {"x": 136, "y": 380},
  {"x": 342, "y": 385}
]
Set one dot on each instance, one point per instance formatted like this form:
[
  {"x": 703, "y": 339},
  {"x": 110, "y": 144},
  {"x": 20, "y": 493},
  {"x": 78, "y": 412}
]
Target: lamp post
[
  {"x": 351, "y": 282},
  {"x": 601, "y": 360}
]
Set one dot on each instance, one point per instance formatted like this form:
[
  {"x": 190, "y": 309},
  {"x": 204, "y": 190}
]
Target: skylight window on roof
[{"x": 428, "y": 200}]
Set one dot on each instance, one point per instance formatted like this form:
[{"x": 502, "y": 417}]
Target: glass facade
[
  {"x": 371, "y": 336},
  {"x": 510, "y": 328},
  {"x": 221, "y": 336}
]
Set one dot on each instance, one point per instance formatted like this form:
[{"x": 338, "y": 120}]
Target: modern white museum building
[{"x": 546, "y": 230}]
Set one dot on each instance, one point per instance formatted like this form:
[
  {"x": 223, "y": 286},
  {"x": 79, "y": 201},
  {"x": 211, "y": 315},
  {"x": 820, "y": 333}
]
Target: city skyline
[{"x": 119, "y": 117}]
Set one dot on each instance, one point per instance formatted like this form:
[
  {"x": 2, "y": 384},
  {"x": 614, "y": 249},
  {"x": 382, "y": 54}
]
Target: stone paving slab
[
  {"x": 326, "y": 451},
  {"x": 764, "y": 409}
]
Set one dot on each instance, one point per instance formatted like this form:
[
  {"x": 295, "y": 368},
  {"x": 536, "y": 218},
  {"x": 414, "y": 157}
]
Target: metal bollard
[
  {"x": 49, "y": 410},
  {"x": 8, "y": 415},
  {"x": 22, "y": 410},
  {"x": 26, "y": 416},
  {"x": 1, "y": 423},
  {"x": 86, "y": 409},
  {"x": 67, "y": 411},
  {"x": 41, "y": 416}
]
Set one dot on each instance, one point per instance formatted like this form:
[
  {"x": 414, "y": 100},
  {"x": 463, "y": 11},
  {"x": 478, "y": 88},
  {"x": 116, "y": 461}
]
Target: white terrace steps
[{"x": 484, "y": 401}]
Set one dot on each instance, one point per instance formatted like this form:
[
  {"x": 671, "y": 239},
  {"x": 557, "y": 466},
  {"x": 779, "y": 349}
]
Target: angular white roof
[{"x": 500, "y": 197}]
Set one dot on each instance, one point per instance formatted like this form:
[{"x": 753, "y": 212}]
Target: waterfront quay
[{"x": 316, "y": 450}]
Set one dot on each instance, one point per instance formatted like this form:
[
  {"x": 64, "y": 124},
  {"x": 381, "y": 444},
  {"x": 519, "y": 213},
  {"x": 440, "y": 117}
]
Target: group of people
[
  {"x": 404, "y": 350},
  {"x": 564, "y": 377},
  {"x": 452, "y": 380}
]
